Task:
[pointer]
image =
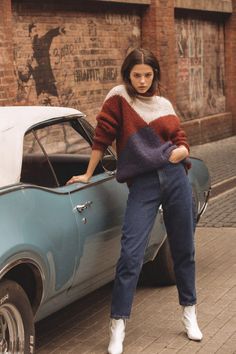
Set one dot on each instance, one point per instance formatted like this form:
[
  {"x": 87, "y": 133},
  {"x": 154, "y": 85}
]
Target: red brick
[{"x": 107, "y": 33}]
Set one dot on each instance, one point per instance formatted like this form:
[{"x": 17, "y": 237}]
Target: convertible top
[
  {"x": 14, "y": 122},
  {"x": 16, "y": 116}
]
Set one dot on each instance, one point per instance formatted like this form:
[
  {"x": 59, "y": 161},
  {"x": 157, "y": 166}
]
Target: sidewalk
[
  {"x": 220, "y": 158},
  {"x": 155, "y": 326}
]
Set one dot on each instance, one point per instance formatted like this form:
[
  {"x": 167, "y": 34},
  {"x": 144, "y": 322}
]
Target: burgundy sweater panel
[
  {"x": 141, "y": 146},
  {"x": 118, "y": 120}
]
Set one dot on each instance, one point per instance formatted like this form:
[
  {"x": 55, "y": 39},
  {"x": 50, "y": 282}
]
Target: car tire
[
  {"x": 160, "y": 271},
  {"x": 16, "y": 320}
]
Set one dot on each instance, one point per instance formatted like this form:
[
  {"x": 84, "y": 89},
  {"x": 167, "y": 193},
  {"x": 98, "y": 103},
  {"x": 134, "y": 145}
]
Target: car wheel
[
  {"x": 160, "y": 271},
  {"x": 16, "y": 320}
]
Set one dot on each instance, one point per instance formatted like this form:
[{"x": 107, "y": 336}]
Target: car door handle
[{"x": 81, "y": 207}]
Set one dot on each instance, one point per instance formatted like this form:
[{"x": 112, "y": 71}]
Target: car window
[
  {"x": 53, "y": 154},
  {"x": 35, "y": 166}
]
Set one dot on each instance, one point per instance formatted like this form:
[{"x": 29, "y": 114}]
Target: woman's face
[{"x": 141, "y": 77}]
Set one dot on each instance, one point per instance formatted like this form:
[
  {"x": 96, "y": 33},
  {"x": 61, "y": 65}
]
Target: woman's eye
[{"x": 139, "y": 76}]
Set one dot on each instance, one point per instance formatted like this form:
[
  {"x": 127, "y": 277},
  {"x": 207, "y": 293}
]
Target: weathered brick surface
[
  {"x": 208, "y": 129},
  {"x": 208, "y": 5},
  {"x": 76, "y": 58},
  {"x": 7, "y": 81},
  {"x": 200, "y": 68},
  {"x": 76, "y": 54},
  {"x": 158, "y": 34},
  {"x": 230, "y": 68}
]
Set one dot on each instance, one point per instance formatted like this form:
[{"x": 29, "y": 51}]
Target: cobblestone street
[
  {"x": 220, "y": 157},
  {"x": 221, "y": 211},
  {"x": 155, "y": 326}
]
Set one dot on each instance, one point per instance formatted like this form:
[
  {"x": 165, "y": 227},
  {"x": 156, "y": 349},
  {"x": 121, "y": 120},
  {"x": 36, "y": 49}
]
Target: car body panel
[{"x": 32, "y": 220}]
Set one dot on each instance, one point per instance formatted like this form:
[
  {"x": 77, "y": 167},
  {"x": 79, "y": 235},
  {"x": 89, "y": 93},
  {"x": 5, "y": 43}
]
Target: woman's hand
[
  {"x": 81, "y": 178},
  {"x": 178, "y": 154},
  {"x": 96, "y": 156}
]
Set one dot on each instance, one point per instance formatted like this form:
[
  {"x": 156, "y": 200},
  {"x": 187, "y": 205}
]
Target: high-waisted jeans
[{"x": 170, "y": 187}]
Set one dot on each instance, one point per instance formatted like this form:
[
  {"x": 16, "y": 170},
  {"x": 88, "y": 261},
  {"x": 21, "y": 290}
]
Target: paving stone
[
  {"x": 219, "y": 156},
  {"x": 221, "y": 211}
]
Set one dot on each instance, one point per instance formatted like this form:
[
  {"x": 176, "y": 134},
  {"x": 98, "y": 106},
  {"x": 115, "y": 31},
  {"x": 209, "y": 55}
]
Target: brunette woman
[{"x": 153, "y": 155}]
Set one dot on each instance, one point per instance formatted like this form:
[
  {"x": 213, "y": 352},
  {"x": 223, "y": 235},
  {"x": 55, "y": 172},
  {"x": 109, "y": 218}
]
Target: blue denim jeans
[{"x": 170, "y": 187}]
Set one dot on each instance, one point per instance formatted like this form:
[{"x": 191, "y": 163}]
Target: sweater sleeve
[
  {"x": 108, "y": 123},
  {"x": 178, "y": 137},
  {"x": 177, "y": 134}
]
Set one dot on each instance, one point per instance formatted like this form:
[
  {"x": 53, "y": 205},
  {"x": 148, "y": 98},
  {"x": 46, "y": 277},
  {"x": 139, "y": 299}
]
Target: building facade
[{"x": 69, "y": 53}]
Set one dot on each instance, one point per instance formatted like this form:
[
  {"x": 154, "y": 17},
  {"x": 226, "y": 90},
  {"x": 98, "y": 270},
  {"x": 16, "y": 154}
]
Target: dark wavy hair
[{"x": 140, "y": 56}]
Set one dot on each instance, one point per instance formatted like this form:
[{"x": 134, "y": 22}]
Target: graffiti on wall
[
  {"x": 196, "y": 65},
  {"x": 73, "y": 64},
  {"x": 38, "y": 65},
  {"x": 200, "y": 67}
]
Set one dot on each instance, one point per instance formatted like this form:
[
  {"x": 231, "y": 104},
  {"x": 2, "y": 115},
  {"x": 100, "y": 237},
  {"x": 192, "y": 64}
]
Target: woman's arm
[
  {"x": 108, "y": 122},
  {"x": 96, "y": 156}
]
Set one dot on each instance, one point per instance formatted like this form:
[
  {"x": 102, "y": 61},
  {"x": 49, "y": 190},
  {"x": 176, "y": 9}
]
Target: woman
[{"x": 152, "y": 159}]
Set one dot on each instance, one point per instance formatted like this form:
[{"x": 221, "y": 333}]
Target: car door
[
  {"x": 49, "y": 220},
  {"x": 99, "y": 208}
]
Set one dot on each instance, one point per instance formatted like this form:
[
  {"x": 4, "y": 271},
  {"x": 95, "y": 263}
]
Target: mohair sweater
[{"x": 146, "y": 130}]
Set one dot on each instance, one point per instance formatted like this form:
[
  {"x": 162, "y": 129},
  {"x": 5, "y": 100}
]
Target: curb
[{"x": 222, "y": 187}]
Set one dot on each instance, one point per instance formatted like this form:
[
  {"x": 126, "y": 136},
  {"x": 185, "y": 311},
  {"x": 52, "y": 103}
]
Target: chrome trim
[
  {"x": 25, "y": 260},
  {"x": 205, "y": 204},
  {"x": 21, "y": 186},
  {"x": 10, "y": 265},
  {"x": 81, "y": 207}
]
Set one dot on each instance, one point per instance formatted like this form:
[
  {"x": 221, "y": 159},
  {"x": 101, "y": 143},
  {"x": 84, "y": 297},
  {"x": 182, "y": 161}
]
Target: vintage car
[{"x": 59, "y": 242}]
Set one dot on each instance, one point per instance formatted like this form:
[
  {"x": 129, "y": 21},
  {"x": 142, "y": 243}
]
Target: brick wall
[
  {"x": 71, "y": 58},
  {"x": 230, "y": 64},
  {"x": 191, "y": 49},
  {"x": 201, "y": 78},
  {"x": 158, "y": 34},
  {"x": 200, "y": 86},
  {"x": 69, "y": 53},
  {"x": 7, "y": 80}
]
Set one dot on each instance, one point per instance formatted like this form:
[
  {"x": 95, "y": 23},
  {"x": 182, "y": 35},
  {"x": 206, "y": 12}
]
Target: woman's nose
[{"x": 142, "y": 78}]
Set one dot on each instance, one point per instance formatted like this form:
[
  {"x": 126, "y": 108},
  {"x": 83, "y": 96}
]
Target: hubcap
[{"x": 11, "y": 330}]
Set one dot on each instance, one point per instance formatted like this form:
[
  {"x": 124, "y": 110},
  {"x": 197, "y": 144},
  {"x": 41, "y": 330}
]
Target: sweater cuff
[
  {"x": 185, "y": 145},
  {"x": 99, "y": 146}
]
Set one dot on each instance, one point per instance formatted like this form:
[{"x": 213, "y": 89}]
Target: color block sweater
[{"x": 146, "y": 130}]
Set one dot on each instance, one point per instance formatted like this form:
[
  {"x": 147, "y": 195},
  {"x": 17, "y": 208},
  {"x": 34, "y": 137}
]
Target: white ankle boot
[
  {"x": 117, "y": 336},
  {"x": 189, "y": 320}
]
